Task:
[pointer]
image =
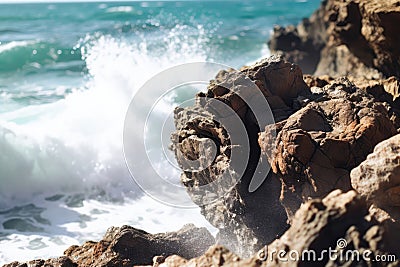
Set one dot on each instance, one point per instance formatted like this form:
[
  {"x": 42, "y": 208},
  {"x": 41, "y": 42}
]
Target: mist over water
[{"x": 67, "y": 75}]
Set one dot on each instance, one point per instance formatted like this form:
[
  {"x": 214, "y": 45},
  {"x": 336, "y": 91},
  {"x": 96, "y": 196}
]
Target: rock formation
[
  {"x": 332, "y": 144},
  {"x": 340, "y": 222},
  {"x": 350, "y": 37},
  {"x": 325, "y": 128},
  {"x": 127, "y": 246},
  {"x": 377, "y": 179},
  {"x": 238, "y": 214},
  {"x": 323, "y": 132},
  {"x": 318, "y": 146}
]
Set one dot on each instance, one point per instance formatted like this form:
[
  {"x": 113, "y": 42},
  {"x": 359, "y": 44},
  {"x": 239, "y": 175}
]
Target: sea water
[{"x": 67, "y": 74}]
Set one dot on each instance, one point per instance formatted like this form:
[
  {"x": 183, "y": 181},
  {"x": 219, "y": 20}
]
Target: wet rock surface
[
  {"x": 128, "y": 246},
  {"x": 332, "y": 144},
  {"x": 340, "y": 222},
  {"x": 237, "y": 214},
  {"x": 325, "y": 129},
  {"x": 350, "y": 37}
]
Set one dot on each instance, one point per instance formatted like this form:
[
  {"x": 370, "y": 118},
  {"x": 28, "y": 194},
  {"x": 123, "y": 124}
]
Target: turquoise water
[
  {"x": 67, "y": 74},
  {"x": 39, "y": 48}
]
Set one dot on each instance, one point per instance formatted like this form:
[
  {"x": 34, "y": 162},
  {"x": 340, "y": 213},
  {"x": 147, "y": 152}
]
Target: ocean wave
[
  {"x": 64, "y": 225},
  {"x": 118, "y": 13},
  {"x": 75, "y": 144},
  {"x": 14, "y": 44},
  {"x": 120, "y": 9},
  {"x": 18, "y": 55}
]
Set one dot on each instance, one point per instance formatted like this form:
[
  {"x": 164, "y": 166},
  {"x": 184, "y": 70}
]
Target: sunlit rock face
[{"x": 350, "y": 37}]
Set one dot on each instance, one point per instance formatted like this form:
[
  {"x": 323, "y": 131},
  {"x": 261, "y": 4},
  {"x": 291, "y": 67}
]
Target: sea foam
[
  {"x": 75, "y": 144},
  {"x": 64, "y": 160}
]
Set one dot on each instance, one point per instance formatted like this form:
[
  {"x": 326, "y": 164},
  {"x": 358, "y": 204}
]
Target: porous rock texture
[
  {"x": 325, "y": 127},
  {"x": 377, "y": 179},
  {"x": 386, "y": 91},
  {"x": 340, "y": 221},
  {"x": 128, "y": 246},
  {"x": 318, "y": 146},
  {"x": 345, "y": 37},
  {"x": 244, "y": 226},
  {"x": 323, "y": 131},
  {"x": 325, "y": 223}
]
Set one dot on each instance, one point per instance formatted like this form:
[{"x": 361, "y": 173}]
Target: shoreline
[{"x": 334, "y": 167}]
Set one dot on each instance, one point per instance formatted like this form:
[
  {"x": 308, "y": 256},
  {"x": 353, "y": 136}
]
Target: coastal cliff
[
  {"x": 350, "y": 37},
  {"x": 335, "y": 161}
]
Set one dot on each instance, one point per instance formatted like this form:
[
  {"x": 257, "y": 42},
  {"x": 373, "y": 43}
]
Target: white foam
[
  {"x": 122, "y": 9},
  {"x": 76, "y": 143},
  {"x": 14, "y": 44},
  {"x": 68, "y": 228}
]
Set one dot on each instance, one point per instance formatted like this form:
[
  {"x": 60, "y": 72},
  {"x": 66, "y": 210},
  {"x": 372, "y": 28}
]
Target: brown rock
[
  {"x": 392, "y": 87},
  {"x": 386, "y": 91},
  {"x": 378, "y": 177},
  {"x": 15, "y": 264},
  {"x": 323, "y": 133},
  {"x": 379, "y": 214},
  {"x": 341, "y": 222},
  {"x": 276, "y": 77},
  {"x": 302, "y": 44},
  {"x": 172, "y": 261},
  {"x": 124, "y": 246},
  {"x": 158, "y": 260},
  {"x": 214, "y": 256},
  {"x": 318, "y": 146},
  {"x": 62, "y": 261},
  {"x": 317, "y": 81},
  {"x": 128, "y": 246},
  {"x": 350, "y": 37},
  {"x": 243, "y": 225}
]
